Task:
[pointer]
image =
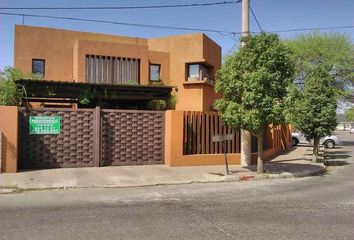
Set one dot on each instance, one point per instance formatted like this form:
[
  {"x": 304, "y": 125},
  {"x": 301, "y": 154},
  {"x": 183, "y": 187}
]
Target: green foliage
[
  {"x": 253, "y": 81},
  {"x": 156, "y": 83},
  {"x": 312, "y": 109},
  {"x": 349, "y": 115},
  {"x": 87, "y": 95},
  {"x": 157, "y": 105},
  {"x": 161, "y": 105},
  {"x": 172, "y": 101},
  {"x": 333, "y": 50},
  {"x": 10, "y": 93},
  {"x": 131, "y": 82}
]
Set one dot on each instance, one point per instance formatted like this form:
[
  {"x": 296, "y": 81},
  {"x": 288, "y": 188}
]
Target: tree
[
  {"x": 312, "y": 109},
  {"x": 349, "y": 115},
  {"x": 253, "y": 81},
  {"x": 333, "y": 50},
  {"x": 10, "y": 94}
]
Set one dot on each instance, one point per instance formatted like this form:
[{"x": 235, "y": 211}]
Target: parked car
[
  {"x": 328, "y": 141},
  {"x": 351, "y": 131}
]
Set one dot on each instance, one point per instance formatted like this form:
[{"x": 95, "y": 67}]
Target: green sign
[{"x": 44, "y": 125}]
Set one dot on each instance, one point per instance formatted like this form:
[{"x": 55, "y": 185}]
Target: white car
[
  {"x": 351, "y": 131},
  {"x": 328, "y": 141}
]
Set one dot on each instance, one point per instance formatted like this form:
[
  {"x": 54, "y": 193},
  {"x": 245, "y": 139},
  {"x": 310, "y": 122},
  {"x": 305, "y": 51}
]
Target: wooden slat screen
[
  {"x": 200, "y": 127},
  {"x": 112, "y": 70}
]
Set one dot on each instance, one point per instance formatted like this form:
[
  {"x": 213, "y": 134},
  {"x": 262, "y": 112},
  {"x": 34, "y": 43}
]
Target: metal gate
[
  {"x": 132, "y": 137},
  {"x": 93, "y": 137}
]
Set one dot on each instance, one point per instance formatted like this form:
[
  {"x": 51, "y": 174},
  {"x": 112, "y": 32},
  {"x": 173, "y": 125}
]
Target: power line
[
  {"x": 123, "y": 7},
  {"x": 254, "y": 16},
  {"x": 312, "y": 29},
  {"x": 221, "y": 32}
]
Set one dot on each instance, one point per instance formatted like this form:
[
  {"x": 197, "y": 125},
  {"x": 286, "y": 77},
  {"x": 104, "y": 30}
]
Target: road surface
[{"x": 318, "y": 207}]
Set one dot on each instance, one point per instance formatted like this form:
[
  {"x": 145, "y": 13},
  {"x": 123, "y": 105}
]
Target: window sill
[{"x": 195, "y": 82}]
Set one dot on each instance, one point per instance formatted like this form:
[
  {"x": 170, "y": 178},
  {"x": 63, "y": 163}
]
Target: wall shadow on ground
[{"x": 284, "y": 167}]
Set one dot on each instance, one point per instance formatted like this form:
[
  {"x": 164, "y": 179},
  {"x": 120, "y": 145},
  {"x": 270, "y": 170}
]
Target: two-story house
[{"x": 119, "y": 69}]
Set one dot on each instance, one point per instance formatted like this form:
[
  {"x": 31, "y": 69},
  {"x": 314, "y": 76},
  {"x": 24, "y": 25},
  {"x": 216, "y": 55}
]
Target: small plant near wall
[
  {"x": 87, "y": 95},
  {"x": 172, "y": 101},
  {"x": 157, "y": 105},
  {"x": 50, "y": 91},
  {"x": 131, "y": 82},
  {"x": 156, "y": 83},
  {"x": 10, "y": 93},
  {"x": 161, "y": 105}
]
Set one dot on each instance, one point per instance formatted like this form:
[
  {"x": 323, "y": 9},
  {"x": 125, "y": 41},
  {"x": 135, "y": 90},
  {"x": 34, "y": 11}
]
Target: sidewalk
[{"x": 294, "y": 163}]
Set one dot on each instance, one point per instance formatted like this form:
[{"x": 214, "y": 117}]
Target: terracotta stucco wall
[
  {"x": 209, "y": 97},
  {"x": 212, "y": 54},
  {"x": 113, "y": 49},
  {"x": 174, "y": 146},
  {"x": 184, "y": 49},
  {"x": 163, "y": 59},
  {"x": 9, "y": 129},
  {"x": 56, "y": 47}
]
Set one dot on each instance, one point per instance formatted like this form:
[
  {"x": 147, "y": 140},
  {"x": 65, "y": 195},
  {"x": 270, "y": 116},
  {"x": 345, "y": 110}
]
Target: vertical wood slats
[
  {"x": 200, "y": 127},
  {"x": 112, "y": 70},
  {"x": 203, "y": 130},
  {"x": 194, "y": 130},
  {"x": 212, "y": 133},
  {"x": 207, "y": 133},
  {"x": 198, "y": 132}
]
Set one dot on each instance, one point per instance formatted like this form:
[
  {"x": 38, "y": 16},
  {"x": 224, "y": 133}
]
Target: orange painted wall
[
  {"x": 9, "y": 129},
  {"x": 57, "y": 48},
  {"x": 163, "y": 59},
  {"x": 174, "y": 147},
  {"x": 112, "y": 49},
  {"x": 184, "y": 49}
]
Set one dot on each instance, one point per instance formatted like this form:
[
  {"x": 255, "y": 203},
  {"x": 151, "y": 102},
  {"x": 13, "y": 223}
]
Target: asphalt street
[{"x": 318, "y": 207}]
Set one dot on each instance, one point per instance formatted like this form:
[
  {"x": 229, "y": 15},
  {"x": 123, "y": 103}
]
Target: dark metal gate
[
  {"x": 132, "y": 137},
  {"x": 93, "y": 137}
]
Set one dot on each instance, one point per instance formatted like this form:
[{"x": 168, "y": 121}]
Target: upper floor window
[
  {"x": 38, "y": 67},
  {"x": 112, "y": 70},
  {"x": 199, "y": 72},
  {"x": 155, "y": 72}
]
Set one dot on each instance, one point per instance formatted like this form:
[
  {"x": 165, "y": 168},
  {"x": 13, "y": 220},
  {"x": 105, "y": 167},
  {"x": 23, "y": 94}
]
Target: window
[
  {"x": 199, "y": 72},
  {"x": 155, "y": 72},
  {"x": 193, "y": 72},
  {"x": 38, "y": 67},
  {"x": 112, "y": 70}
]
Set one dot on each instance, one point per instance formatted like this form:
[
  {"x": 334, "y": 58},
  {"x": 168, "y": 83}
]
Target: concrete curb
[
  {"x": 279, "y": 176},
  {"x": 293, "y": 175},
  {"x": 229, "y": 178},
  {"x": 7, "y": 190}
]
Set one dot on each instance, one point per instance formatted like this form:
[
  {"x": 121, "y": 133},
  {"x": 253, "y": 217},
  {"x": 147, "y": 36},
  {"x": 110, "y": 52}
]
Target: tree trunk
[
  {"x": 260, "y": 168},
  {"x": 245, "y": 148},
  {"x": 315, "y": 150}
]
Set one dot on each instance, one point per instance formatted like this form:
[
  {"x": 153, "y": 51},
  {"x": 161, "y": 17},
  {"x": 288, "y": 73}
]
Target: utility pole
[
  {"x": 245, "y": 135},
  {"x": 245, "y": 19}
]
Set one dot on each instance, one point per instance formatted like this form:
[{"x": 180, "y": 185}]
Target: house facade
[
  {"x": 187, "y": 63},
  {"x": 119, "y": 69}
]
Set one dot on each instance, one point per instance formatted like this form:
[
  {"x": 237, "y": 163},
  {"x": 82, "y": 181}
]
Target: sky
[{"x": 272, "y": 15}]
